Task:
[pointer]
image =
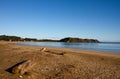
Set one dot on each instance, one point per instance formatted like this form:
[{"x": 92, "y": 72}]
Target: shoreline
[
  {"x": 57, "y": 46},
  {"x": 62, "y": 63},
  {"x": 67, "y": 49}
]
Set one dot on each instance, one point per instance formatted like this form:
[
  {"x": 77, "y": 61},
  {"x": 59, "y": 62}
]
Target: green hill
[{"x": 69, "y": 39}]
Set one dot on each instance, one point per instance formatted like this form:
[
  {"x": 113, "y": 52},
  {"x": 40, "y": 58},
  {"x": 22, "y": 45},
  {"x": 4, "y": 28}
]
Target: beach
[{"x": 58, "y": 63}]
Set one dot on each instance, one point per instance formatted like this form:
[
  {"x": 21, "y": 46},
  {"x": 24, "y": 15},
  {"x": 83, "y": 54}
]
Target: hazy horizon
[{"x": 56, "y": 19}]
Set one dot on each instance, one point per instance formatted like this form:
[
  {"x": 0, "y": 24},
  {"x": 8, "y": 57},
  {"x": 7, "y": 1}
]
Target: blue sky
[{"x": 56, "y": 19}]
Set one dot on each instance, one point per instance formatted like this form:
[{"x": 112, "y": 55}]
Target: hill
[{"x": 69, "y": 39}]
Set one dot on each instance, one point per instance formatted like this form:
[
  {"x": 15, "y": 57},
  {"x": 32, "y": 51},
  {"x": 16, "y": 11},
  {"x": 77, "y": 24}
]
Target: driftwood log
[
  {"x": 43, "y": 50},
  {"x": 23, "y": 67}
]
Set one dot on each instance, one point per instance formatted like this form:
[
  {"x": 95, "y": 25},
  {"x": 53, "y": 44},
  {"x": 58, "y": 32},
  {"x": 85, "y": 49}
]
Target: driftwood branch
[
  {"x": 43, "y": 49},
  {"x": 23, "y": 67}
]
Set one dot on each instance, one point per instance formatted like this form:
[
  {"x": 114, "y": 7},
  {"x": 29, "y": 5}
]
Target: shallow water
[{"x": 103, "y": 46}]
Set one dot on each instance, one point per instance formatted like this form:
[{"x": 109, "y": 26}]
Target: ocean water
[{"x": 103, "y": 46}]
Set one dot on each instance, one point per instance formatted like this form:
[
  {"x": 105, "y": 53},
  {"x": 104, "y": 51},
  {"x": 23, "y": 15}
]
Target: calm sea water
[{"x": 103, "y": 46}]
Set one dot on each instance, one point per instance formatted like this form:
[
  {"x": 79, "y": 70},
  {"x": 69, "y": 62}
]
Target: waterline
[{"x": 103, "y": 46}]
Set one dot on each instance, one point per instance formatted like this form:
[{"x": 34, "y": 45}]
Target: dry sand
[{"x": 58, "y": 63}]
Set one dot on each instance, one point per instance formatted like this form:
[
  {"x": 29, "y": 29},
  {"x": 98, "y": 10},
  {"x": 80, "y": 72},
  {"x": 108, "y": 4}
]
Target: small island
[{"x": 68, "y": 39}]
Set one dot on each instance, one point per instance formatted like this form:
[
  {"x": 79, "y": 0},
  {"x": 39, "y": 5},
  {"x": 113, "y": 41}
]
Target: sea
[{"x": 113, "y": 47}]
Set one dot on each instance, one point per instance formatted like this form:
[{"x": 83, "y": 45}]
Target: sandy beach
[{"x": 58, "y": 63}]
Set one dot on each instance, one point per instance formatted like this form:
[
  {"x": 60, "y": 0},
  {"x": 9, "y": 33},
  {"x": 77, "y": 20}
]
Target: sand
[{"x": 58, "y": 63}]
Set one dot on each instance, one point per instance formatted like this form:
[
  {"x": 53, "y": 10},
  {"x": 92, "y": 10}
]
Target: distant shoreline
[{"x": 67, "y": 39}]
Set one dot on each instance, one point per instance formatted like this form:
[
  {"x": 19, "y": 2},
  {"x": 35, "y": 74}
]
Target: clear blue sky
[{"x": 56, "y": 19}]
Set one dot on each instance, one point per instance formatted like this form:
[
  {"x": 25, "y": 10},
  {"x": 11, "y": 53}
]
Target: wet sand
[{"x": 58, "y": 63}]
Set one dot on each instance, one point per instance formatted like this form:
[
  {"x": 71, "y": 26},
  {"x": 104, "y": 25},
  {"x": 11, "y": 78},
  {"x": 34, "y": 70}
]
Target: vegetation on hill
[
  {"x": 10, "y": 38},
  {"x": 16, "y": 38},
  {"x": 69, "y": 39}
]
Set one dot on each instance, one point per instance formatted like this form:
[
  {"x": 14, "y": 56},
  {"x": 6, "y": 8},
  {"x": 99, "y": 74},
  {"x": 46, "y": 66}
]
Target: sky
[{"x": 56, "y": 19}]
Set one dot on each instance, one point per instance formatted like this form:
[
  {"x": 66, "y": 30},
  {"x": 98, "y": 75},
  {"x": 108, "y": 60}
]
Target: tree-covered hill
[{"x": 69, "y": 39}]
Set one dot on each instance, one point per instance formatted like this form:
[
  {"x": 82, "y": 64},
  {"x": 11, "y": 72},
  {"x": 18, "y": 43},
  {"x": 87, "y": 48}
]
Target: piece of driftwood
[
  {"x": 57, "y": 53},
  {"x": 23, "y": 67},
  {"x": 43, "y": 49}
]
